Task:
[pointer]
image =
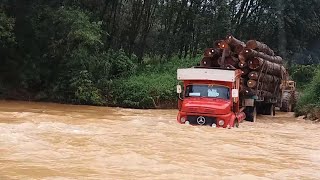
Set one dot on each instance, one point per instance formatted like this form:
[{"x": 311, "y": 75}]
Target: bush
[
  {"x": 302, "y": 74},
  {"x": 143, "y": 91},
  {"x": 121, "y": 64},
  {"x": 152, "y": 87},
  {"x": 309, "y": 102},
  {"x": 85, "y": 91}
]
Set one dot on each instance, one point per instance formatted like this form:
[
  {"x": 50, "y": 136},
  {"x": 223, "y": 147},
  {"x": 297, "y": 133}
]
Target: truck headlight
[
  {"x": 183, "y": 120},
  {"x": 221, "y": 122},
  {"x": 214, "y": 125}
]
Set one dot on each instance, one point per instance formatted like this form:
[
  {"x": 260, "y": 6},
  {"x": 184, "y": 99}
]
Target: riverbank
[
  {"x": 309, "y": 103},
  {"x": 152, "y": 85}
]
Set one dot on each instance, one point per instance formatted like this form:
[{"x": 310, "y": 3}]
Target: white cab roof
[{"x": 206, "y": 74}]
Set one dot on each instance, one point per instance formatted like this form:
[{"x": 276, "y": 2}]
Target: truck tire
[
  {"x": 261, "y": 109},
  {"x": 236, "y": 123},
  {"x": 286, "y": 105},
  {"x": 269, "y": 109},
  {"x": 295, "y": 100},
  {"x": 272, "y": 110},
  {"x": 251, "y": 114}
]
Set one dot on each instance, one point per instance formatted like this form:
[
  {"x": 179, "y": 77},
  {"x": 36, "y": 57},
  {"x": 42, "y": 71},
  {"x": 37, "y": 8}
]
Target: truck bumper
[{"x": 226, "y": 120}]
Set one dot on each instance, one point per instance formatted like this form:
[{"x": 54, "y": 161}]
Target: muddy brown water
[{"x": 54, "y": 141}]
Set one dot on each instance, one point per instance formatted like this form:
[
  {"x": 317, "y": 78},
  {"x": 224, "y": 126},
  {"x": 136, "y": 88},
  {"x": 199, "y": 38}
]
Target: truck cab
[{"x": 209, "y": 96}]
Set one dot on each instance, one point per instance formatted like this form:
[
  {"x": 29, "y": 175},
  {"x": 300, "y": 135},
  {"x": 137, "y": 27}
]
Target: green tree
[{"x": 7, "y": 36}]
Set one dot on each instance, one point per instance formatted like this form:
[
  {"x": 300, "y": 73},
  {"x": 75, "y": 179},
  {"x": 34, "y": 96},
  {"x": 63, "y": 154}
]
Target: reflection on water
[{"x": 53, "y": 141}]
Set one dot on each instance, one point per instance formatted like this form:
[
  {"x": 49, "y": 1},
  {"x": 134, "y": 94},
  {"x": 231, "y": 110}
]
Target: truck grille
[{"x": 194, "y": 120}]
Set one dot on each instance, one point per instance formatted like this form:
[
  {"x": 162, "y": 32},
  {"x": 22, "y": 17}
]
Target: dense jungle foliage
[
  {"x": 309, "y": 103},
  {"x": 125, "y": 53}
]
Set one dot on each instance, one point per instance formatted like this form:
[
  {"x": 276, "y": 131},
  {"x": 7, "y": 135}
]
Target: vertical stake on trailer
[{"x": 223, "y": 57}]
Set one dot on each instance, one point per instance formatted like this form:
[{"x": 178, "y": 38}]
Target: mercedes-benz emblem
[{"x": 201, "y": 120}]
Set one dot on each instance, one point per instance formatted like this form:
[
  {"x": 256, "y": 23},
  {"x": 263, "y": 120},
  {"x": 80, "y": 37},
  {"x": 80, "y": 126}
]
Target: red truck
[{"x": 210, "y": 97}]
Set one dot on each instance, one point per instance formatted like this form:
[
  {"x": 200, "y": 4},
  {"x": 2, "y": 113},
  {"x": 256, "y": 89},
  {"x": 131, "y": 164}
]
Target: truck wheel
[
  {"x": 236, "y": 123},
  {"x": 272, "y": 110},
  {"x": 251, "y": 114},
  {"x": 286, "y": 105},
  {"x": 265, "y": 110},
  {"x": 296, "y": 97},
  {"x": 268, "y": 109}
]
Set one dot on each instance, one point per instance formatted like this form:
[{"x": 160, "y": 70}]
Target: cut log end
[
  {"x": 252, "y": 44},
  {"x": 242, "y": 64},
  {"x": 252, "y": 83},
  {"x": 255, "y": 63},
  {"x": 211, "y": 52}
]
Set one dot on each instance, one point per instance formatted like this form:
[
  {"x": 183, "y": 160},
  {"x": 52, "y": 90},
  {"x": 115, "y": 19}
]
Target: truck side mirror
[
  {"x": 179, "y": 89},
  {"x": 235, "y": 93}
]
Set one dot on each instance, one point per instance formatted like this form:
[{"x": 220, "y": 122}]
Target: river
[{"x": 54, "y": 141}]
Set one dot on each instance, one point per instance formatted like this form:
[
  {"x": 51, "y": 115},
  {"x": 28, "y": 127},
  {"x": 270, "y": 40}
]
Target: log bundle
[{"x": 262, "y": 70}]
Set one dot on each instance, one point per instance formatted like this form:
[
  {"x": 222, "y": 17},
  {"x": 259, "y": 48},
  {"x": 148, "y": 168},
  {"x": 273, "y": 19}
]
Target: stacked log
[
  {"x": 266, "y": 66},
  {"x": 211, "y": 56},
  {"x": 216, "y": 44},
  {"x": 255, "y": 75},
  {"x": 266, "y": 69},
  {"x": 229, "y": 60},
  {"x": 262, "y": 70},
  {"x": 206, "y": 62},
  {"x": 262, "y": 86},
  {"x": 212, "y": 52},
  {"x": 236, "y": 44},
  {"x": 242, "y": 65},
  {"x": 259, "y": 46},
  {"x": 248, "y": 53}
]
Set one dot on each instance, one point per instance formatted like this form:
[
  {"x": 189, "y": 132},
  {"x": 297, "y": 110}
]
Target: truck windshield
[{"x": 207, "y": 91}]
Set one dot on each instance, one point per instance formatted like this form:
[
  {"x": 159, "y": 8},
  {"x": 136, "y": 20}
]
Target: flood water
[{"x": 54, "y": 141}]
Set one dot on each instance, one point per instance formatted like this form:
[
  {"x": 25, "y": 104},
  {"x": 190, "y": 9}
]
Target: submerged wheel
[
  {"x": 295, "y": 100},
  {"x": 236, "y": 123},
  {"x": 269, "y": 109},
  {"x": 272, "y": 110},
  {"x": 286, "y": 105},
  {"x": 251, "y": 114}
]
